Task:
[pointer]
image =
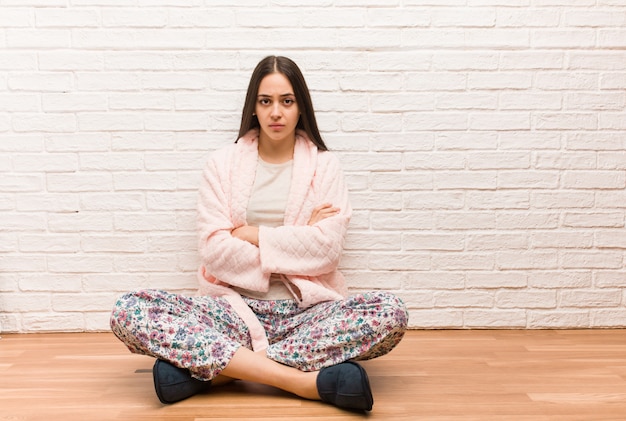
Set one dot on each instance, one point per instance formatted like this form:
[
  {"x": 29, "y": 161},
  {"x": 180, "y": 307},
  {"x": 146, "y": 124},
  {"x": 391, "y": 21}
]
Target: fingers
[{"x": 323, "y": 211}]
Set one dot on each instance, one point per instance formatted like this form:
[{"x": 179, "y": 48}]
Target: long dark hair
[{"x": 285, "y": 66}]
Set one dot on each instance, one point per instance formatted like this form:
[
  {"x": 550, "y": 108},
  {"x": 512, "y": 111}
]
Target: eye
[
  {"x": 289, "y": 101},
  {"x": 264, "y": 101}
]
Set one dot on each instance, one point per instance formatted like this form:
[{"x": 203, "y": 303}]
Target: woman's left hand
[{"x": 247, "y": 233}]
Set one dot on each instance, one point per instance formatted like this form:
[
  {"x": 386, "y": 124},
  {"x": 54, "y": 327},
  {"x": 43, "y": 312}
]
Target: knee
[
  {"x": 123, "y": 310},
  {"x": 389, "y": 306}
]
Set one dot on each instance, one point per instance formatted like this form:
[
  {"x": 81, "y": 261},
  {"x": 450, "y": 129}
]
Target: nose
[{"x": 275, "y": 110}]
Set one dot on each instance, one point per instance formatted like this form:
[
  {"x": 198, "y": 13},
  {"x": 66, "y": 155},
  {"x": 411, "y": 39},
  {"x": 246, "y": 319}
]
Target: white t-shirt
[{"x": 267, "y": 207}]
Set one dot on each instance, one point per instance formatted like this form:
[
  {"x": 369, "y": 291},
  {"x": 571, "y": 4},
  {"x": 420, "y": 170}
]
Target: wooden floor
[{"x": 433, "y": 375}]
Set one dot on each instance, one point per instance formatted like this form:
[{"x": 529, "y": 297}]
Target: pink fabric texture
[{"x": 308, "y": 256}]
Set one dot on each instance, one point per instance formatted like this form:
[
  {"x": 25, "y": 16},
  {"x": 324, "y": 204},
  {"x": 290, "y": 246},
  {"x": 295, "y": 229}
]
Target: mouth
[{"x": 276, "y": 126}]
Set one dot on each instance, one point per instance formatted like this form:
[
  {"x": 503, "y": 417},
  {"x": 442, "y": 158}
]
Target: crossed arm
[{"x": 250, "y": 233}]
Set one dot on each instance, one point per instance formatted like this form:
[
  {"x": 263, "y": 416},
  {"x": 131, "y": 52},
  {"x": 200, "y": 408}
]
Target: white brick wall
[{"x": 484, "y": 142}]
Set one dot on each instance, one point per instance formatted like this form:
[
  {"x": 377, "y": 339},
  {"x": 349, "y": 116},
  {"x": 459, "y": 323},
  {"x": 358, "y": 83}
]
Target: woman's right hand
[{"x": 321, "y": 212}]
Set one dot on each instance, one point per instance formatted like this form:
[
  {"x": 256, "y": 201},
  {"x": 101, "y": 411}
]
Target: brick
[
  {"x": 594, "y": 180},
  {"x": 531, "y": 299},
  {"x": 21, "y": 183},
  {"x": 201, "y": 18},
  {"x": 592, "y": 260},
  {"x": 86, "y": 302},
  {"x": 397, "y": 18},
  {"x": 564, "y": 279},
  {"x": 401, "y": 181},
  {"x": 588, "y": 299},
  {"x": 39, "y": 39},
  {"x": 609, "y": 279},
  {"x": 93, "y": 122},
  {"x": 402, "y": 220},
  {"x": 434, "y": 200},
  {"x": 499, "y": 80},
  {"x": 531, "y": 60},
  {"x": 611, "y": 239},
  {"x": 60, "y": 263},
  {"x": 441, "y": 242},
  {"x": 526, "y": 220},
  {"x": 25, "y": 302},
  {"x": 562, "y": 240},
  {"x": 53, "y": 322},
  {"x": 463, "y": 261},
  {"x": 529, "y": 141},
  {"x": 66, "y": 18},
  {"x": 558, "y": 81},
  {"x": 42, "y": 243},
  {"x": 424, "y": 319},
  {"x": 496, "y": 280},
  {"x": 435, "y": 121},
  {"x": 113, "y": 243},
  {"x": 47, "y": 283},
  {"x": 377, "y": 201},
  {"x": 436, "y": 280},
  {"x": 403, "y": 142},
  {"x": 399, "y": 261},
  {"x": 134, "y": 18},
  {"x": 612, "y": 161},
  {"x": 464, "y": 299},
  {"x": 481, "y": 180},
  {"x": 373, "y": 280},
  {"x": 593, "y": 219},
  {"x": 608, "y": 318},
  {"x": 467, "y": 141},
  {"x": 501, "y": 160},
  {"x": 597, "y": 60},
  {"x": 528, "y": 179},
  {"x": 373, "y": 241},
  {"x": 558, "y": 319},
  {"x": 434, "y": 161},
  {"x": 527, "y": 17},
  {"x": 483, "y": 242},
  {"x": 566, "y": 160},
  {"x": 371, "y": 162},
  {"x": 171, "y": 201},
  {"x": 77, "y": 222},
  {"x": 560, "y": 38},
  {"x": 116, "y": 282},
  {"x": 529, "y": 260},
  {"x": 466, "y": 101},
  {"x": 20, "y": 103},
  {"x": 42, "y": 82},
  {"x": 531, "y": 101},
  {"x": 432, "y": 39},
  {"x": 139, "y": 222},
  {"x": 97, "y": 321},
  {"x": 436, "y": 81},
  {"x": 611, "y": 199},
  {"x": 175, "y": 242},
  {"x": 498, "y": 200}
]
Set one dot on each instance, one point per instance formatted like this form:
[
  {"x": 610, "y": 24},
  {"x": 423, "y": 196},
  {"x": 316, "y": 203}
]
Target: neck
[{"x": 276, "y": 153}]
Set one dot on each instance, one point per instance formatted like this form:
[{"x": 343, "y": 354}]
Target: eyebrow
[{"x": 269, "y": 96}]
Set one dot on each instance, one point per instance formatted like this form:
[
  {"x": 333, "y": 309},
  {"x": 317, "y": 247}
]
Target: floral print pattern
[{"x": 203, "y": 333}]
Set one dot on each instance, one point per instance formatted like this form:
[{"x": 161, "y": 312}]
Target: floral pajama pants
[{"x": 203, "y": 333}]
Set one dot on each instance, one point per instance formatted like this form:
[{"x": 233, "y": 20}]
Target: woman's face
[{"x": 277, "y": 109}]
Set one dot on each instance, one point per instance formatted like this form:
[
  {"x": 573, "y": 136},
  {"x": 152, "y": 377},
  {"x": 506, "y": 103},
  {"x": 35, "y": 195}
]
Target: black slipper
[
  {"x": 173, "y": 384},
  {"x": 345, "y": 385}
]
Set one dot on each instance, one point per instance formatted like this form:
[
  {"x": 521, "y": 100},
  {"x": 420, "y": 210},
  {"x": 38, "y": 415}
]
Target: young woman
[{"x": 271, "y": 307}]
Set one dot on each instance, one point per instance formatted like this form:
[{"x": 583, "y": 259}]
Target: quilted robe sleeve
[
  {"x": 226, "y": 259},
  {"x": 297, "y": 248}
]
